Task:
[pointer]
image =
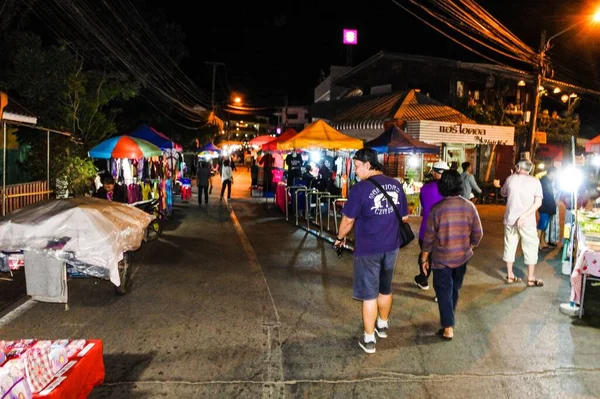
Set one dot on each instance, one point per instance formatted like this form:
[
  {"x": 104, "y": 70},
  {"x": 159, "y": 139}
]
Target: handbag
[{"x": 404, "y": 229}]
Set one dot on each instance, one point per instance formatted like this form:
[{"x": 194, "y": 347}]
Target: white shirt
[
  {"x": 521, "y": 191},
  {"x": 226, "y": 173}
]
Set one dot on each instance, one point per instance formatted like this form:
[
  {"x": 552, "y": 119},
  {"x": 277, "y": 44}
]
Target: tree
[{"x": 59, "y": 88}]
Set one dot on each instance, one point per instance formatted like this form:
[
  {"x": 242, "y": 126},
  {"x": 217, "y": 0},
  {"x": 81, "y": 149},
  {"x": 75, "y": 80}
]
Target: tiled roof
[{"x": 365, "y": 116}]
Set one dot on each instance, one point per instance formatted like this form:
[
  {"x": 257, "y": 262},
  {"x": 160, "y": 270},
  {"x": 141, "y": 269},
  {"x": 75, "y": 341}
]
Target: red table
[{"x": 87, "y": 373}]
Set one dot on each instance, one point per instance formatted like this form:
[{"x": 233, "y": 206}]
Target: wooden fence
[{"x": 21, "y": 195}]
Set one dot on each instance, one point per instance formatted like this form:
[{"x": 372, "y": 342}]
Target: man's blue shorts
[
  {"x": 373, "y": 275},
  {"x": 544, "y": 220}
]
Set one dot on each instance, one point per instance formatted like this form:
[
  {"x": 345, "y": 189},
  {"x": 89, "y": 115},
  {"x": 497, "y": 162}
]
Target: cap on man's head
[
  {"x": 440, "y": 167},
  {"x": 368, "y": 155}
]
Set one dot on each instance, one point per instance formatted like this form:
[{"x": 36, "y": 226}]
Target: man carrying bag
[{"x": 371, "y": 210}]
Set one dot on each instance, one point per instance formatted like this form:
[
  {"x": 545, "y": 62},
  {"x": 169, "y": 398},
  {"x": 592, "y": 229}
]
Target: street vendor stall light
[
  {"x": 541, "y": 166},
  {"x": 557, "y": 90},
  {"x": 237, "y": 100},
  {"x": 413, "y": 161},
  {"x": 564, "y": 98},
  {"x": 570, "y": 179},
  {"x": 521, "y": 83},
  {"x": 315, "y": 156}
]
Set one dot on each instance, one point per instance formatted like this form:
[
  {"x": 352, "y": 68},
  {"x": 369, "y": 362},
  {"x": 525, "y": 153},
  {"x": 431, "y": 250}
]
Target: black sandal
[{"x": 535, "y": 283}]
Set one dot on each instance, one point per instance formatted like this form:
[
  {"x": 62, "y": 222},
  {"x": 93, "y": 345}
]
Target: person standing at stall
[
  {"x": 202, "y": 181},
  {"x": 377, "y": 242},
  {"x": 226, "y": 179},
  {"x": 525, "y": 196}
]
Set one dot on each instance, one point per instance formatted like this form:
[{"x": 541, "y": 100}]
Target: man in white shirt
[{"x": 524, "y": 194}]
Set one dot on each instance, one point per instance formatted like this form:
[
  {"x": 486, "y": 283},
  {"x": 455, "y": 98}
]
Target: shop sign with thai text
[{"x": 435, "y": 132}]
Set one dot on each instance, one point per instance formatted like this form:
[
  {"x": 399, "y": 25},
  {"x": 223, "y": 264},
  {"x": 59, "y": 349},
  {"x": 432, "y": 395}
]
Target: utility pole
[
  {"x": 214, "y": 76},
  {"x": 285, "y": 111},
  {"x": 539, "y": 81}
]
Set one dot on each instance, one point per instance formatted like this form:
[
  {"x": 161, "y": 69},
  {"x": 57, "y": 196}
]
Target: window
[{"x": 460, "y": 88}]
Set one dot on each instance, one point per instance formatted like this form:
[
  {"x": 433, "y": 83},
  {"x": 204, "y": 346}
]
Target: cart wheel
[
  {"x": 154, "y": 230},
  {"x": 124, "y": 274}
]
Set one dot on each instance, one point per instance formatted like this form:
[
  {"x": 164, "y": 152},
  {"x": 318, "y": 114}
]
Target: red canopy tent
[
  {"x": 272, "y": 145},
  {"x": 593, "y": 145}
]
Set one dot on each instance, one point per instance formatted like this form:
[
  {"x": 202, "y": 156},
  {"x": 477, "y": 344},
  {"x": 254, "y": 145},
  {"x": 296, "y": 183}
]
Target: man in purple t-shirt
[
  {"x": 377, "y": 241},
  {"x": 430, "y": 195}
]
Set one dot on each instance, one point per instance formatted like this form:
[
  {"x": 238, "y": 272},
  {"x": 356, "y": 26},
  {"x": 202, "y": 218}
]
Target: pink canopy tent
[
  {"x": 261, "y": 140},
  {"x": 272, "y": 145}
]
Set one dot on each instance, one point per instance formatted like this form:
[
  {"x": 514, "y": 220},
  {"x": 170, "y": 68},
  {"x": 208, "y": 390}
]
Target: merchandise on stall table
[{"x": 38, "y": 368}]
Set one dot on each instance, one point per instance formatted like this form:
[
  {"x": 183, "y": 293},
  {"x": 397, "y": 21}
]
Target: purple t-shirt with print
[{"x": 375, "y": 223}]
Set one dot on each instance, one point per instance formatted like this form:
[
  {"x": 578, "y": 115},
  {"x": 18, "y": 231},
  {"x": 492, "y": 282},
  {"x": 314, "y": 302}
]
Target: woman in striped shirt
[{"x": 453, "y": 230}]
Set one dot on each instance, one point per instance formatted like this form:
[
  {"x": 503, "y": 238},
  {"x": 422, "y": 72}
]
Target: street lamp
[{"x": 542, "y": 69}]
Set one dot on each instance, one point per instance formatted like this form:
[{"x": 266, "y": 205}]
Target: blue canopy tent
[
  {"x": 155, "y": 137},
  {"x": 210, "y": 147},
  {"x": 396, "y": 141}
]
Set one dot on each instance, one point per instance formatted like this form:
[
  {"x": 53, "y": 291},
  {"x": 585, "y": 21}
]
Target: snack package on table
[
  {"x": 13, "y": 383},
  {"x": 38, "y": 368},
  {"x": 75, "y": 347}
]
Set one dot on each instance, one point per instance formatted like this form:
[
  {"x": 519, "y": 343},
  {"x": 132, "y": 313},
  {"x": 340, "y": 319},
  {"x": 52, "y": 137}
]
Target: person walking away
[
  {"x": 202, "y": 181},
  {"x": 254, "y": 173},
  {"x": 226, "y": 179},
  {"x": 377, "y": 242},
  {"x": 548, "y": 208},
  {"x": 453, "y": 231},
  {"x": 524, "y": 196},
  {"x": 468, "y": 181},
  {"x": 429, "y": 196}
]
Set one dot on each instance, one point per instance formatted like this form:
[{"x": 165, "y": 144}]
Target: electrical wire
[
  {"x": 447, "y": 35},
  {"x": 119, "y": 34}
]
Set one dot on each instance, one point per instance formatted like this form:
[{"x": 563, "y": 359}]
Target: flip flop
[
  {"x": 440, "y": 333},
  {"x": 513, "y": 280}
]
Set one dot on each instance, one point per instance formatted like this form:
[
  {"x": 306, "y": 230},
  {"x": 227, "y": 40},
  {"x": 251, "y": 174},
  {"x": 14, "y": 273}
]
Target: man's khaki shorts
[{"x": 529, "y": 243}]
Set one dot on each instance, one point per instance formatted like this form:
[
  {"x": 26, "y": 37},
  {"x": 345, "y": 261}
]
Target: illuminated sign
[{"x": 350, "y": 36}]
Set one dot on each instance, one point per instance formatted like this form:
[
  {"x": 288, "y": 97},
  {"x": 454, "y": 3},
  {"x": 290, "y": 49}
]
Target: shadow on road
[{"x": 121, "y": 373}]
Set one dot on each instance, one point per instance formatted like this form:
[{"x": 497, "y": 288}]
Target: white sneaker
[
  {"x": 368, "y": 347},
  {"x": 569, "y": 310},
  {"x": 381, "y": 331}
]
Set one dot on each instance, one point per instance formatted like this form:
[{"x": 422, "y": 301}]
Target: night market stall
[
  {"x": 405, "y": 157},
  {"x": 55, "y": 369},
  {"x": 172, "y": 155},
  {"x": 330, "y": 150},
  {"x": 139, "y": 167}
]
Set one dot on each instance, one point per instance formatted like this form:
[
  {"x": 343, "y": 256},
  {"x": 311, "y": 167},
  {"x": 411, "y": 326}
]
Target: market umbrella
[
  {"x": 272, "y": 145},
  {"x": 322, "y": 136},
  {"x": 125, "y": 147},
  {"x": 395, "y": 140},
  {"x": 155, "y": 137}
]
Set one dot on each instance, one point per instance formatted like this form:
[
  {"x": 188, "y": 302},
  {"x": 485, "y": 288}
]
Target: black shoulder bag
[{"x": 406, "y": 233}]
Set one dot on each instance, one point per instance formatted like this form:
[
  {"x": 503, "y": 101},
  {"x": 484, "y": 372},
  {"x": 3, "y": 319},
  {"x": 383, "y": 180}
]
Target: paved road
[{"x": 237, "y": 302}]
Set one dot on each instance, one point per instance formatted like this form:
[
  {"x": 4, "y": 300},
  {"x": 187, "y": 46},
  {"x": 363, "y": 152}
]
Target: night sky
[{"x": 276, "y": 48}]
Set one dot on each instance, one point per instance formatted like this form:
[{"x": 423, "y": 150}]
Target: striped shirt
[{"x": 453, "y": 226}]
